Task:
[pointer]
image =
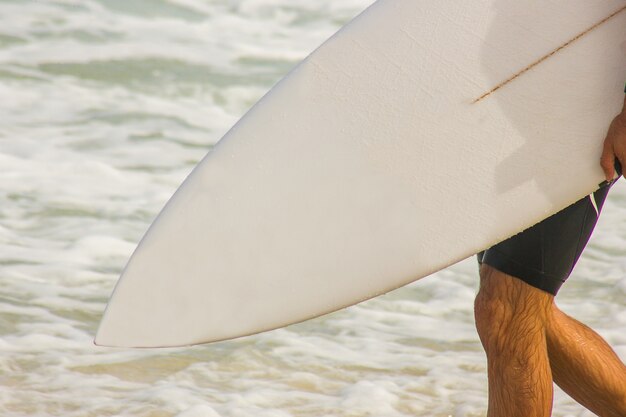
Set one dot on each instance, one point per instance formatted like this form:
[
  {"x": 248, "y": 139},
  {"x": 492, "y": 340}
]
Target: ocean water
[{"x": 105, "y": 107}]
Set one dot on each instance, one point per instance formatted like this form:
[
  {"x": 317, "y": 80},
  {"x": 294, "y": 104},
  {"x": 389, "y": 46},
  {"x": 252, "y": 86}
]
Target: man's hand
[{"x": 615, "y": 145}]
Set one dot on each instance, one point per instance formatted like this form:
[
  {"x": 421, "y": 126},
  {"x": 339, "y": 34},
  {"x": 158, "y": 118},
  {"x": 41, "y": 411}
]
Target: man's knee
[{"x": 507, "y": 310}]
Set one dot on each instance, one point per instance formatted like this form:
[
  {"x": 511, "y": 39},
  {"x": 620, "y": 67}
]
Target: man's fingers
[
  {"x": 621, "y": 158},
  {"x": 607, "y": 161}
]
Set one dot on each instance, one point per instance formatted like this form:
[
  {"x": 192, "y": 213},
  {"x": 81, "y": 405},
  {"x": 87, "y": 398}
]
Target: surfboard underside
[{"x": 419, "y": 134}]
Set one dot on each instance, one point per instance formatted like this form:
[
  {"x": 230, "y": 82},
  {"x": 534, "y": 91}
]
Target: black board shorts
[{"x": 544, "y": 255}]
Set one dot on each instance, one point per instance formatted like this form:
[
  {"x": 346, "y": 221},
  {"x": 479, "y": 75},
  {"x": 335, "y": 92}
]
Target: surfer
[{"x": 529, "y": 342}]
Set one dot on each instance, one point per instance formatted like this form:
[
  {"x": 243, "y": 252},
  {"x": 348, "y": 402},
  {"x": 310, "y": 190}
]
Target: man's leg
[
  {"x": 526, "y": 337},
  {"x": 585, "y": 367},
  {"x": 511, "y": 318},
  {"x": 529, "y": 341}
]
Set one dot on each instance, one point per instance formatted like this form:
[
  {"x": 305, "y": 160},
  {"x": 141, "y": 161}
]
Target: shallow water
[{"x": 105, "y": 106}]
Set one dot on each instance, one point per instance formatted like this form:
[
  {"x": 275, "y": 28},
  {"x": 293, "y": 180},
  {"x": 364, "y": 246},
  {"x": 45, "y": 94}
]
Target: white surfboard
[{"x": 419, "y": 134}]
